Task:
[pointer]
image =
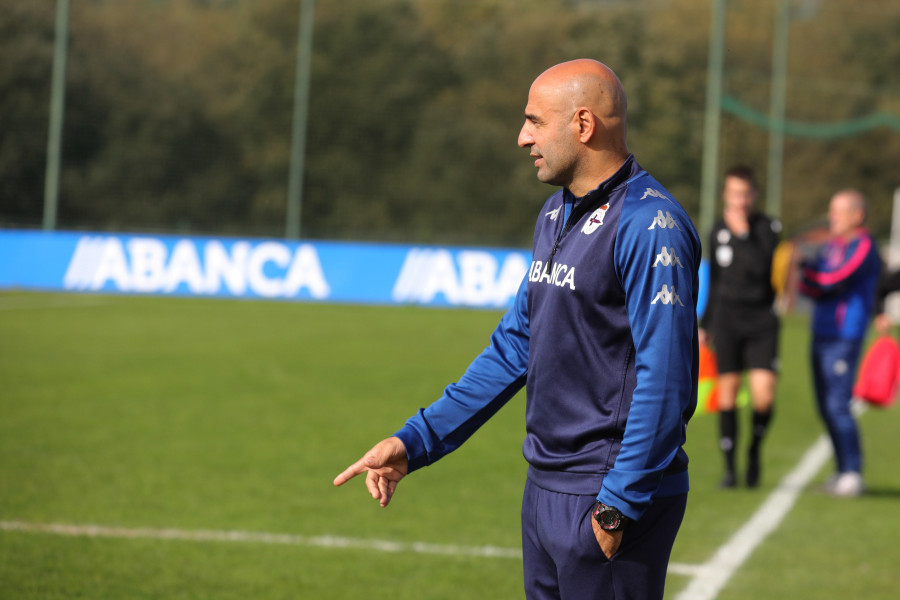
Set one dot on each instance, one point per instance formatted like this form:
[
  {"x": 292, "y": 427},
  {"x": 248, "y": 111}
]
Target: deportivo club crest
[{"x": 595, "y": 220}]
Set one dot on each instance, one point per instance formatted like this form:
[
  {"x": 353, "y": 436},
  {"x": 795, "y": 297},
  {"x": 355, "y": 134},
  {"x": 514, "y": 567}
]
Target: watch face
[{"x": 609, "y": 519}]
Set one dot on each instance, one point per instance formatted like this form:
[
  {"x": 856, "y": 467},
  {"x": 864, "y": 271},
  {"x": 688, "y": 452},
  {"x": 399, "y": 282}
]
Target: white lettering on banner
[
  {"x": 269, "y": 269},
  {"x": 148, "y": 264},
  {"x": 440, "y": 277},
  {"x": 86, "y": 262},
  {"x": 476, "y": 276},
  {"x": 220, "y": 267},
  {"x": 275, "y": 253},
  {"x": 184, "y": 267},
  {"x": 112, "y": 265},
  {"x": 306, "y": 271},
  {"x": 471, "y": 280},
  {"x": 512, "y": 271}
]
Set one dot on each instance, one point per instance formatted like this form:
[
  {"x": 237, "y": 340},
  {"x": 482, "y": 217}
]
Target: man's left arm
[{"x": 661, "y": 306}]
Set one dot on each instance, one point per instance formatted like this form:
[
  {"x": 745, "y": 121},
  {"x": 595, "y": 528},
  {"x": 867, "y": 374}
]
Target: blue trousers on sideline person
[{"x": 834, "y": 364}]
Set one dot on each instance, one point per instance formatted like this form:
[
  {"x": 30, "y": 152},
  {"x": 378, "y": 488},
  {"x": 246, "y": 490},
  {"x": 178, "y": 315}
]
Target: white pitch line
[
  {"x": 323, "y": 541},
  {"x": 708, "y": 578},
  {"x": 715, "y": 573}
]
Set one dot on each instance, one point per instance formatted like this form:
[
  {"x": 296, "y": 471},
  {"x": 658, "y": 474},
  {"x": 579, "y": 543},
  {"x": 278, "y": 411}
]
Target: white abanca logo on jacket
[{"x": 562, "y": 274}]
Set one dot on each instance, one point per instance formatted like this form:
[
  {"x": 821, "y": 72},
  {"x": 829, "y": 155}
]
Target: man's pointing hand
[{"x": 385, "y": 465}]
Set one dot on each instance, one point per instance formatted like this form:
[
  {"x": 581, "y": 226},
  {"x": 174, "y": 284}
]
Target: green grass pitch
[{"x": 215, "y": 415}]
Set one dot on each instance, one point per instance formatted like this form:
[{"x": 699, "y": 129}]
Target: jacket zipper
[{"x": 577, "y": 212}]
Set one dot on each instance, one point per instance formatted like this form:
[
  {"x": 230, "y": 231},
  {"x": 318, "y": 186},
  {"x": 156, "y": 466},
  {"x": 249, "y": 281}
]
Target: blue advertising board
[
  {"x": 260, "y": 268},
  {"x": 266, "y": 269}
]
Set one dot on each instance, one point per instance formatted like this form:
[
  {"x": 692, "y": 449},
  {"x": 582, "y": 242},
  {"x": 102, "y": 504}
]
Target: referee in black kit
[{"x": 740, "y": 321}]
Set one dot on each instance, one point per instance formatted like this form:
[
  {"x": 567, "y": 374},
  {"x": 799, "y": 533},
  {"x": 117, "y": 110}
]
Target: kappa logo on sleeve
[
  {"x": 667, "y": 295},
  {"x": 654, "y": 194},
  {"x": 667, "y": 258},
  {"x": 664, "y": 221}
]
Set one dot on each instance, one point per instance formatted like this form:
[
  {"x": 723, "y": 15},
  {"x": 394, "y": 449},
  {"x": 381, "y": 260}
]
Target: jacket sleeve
[
  {"x": 820, "y": 279},
  {"x": 494, "y": 377},
  {"x": 712, "y": 298},
  {"x": 661, "y": 306}
]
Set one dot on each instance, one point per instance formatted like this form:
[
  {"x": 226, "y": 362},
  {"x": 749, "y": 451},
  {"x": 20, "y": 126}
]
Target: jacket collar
[{"x": 629, "y": 169}]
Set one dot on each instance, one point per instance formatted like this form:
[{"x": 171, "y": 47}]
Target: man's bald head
[
  {"x": 846, "y": 212},
  {"x": 577, "y": 110},
  {"x": 590, "y": 83}
]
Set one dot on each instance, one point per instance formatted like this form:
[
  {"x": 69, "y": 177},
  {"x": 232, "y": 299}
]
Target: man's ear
[{"x": 586, "y": 122}]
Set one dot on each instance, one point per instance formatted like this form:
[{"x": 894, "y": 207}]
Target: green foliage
[
  {"x": 840, "y": 58},
  {"x": 26, "y": 34},
  {"x": 179, "y": 112}
]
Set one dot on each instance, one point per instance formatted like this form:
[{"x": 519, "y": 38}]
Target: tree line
[{"x": 178, "y": 112}]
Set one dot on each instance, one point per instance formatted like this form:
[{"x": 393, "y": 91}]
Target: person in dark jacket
[
  {"x": 603, "y": 335},
  {"x": 889, "y": 283},
  {"x": 740, "y": 321}
]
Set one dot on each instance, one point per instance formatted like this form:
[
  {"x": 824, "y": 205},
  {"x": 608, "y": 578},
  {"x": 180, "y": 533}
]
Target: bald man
[
  {"x": 842, "y": 281},
  {"x": 603, "y": 335}
]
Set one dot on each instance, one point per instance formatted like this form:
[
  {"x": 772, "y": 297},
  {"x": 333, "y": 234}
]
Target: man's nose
[{"x": 525, "y": 138}]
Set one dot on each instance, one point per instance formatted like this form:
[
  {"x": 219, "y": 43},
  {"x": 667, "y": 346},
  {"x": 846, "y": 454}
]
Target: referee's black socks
[
  {"x": 727, "y": 443},
  {"x": 760, "y": 428}
]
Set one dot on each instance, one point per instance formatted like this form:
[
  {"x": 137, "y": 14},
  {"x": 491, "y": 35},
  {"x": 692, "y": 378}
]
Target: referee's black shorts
[{"x": 745, "y": 338}]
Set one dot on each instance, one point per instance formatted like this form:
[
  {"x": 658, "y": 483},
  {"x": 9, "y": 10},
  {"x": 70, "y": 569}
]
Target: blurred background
[{"x": 178, "y": 116}]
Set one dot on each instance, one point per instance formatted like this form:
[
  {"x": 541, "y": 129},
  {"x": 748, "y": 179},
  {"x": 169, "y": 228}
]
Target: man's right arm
[{"x": 494, "y": 377}]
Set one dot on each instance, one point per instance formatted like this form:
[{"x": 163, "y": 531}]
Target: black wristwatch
[{"x": 609, "y": 517}]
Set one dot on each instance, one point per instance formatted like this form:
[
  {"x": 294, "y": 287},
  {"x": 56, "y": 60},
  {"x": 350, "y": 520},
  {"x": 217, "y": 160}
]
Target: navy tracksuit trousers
[
  {"x": 562, "y": 559},
  {"x": 834, "y": 370}
]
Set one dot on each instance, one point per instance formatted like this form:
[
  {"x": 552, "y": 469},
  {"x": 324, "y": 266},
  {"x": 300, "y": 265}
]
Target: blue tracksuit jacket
[
  {"x": 843, "y": 280},
  {"x": 603, "y": 333}
]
